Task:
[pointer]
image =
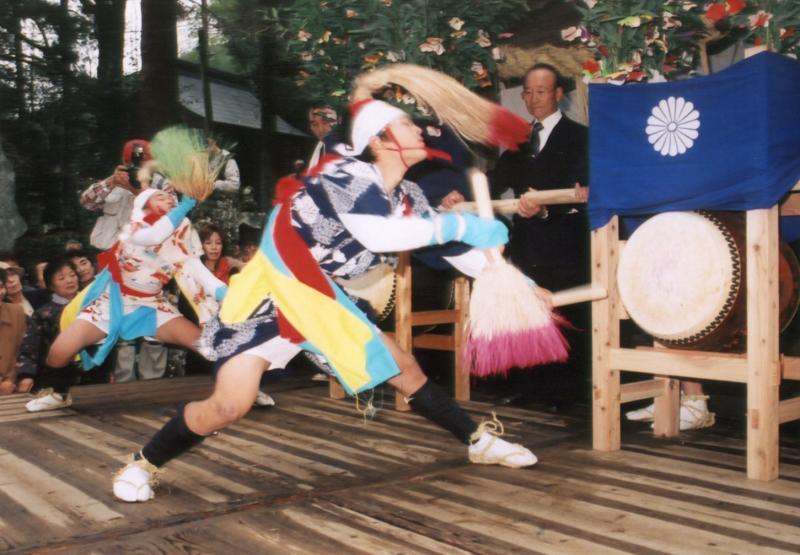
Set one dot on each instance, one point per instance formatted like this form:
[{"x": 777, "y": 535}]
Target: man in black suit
[{"x": 550, "y": 243}]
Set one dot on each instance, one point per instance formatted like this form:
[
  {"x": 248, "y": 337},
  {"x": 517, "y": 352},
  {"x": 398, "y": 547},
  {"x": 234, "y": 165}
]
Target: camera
[{"x": 137, "y": 157}]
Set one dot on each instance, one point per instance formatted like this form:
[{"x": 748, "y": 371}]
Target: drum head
[{"x": 679, "y": 275}]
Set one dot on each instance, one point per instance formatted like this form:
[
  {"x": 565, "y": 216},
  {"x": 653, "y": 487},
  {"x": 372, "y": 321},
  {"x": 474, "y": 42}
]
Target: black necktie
[{"x": 537, "y": 126}]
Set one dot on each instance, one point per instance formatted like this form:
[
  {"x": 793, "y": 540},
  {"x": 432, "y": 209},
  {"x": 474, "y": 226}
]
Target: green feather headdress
[{"x": 182, "y": 155}]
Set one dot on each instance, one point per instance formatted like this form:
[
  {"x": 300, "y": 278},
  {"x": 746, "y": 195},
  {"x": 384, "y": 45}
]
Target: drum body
[{"x": 682, "y": 279}]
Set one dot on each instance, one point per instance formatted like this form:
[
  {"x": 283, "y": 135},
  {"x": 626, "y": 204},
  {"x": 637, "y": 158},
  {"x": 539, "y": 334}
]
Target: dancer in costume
[
  {"x": 126, "y": 299},
  {"x": 338, "y": 223}
]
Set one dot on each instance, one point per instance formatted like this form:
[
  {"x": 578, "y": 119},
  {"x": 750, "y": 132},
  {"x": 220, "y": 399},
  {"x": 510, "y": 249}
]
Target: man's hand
[
  {"x": 545, "y": 295},
  {"x": 7, "y": 388},
  {"x": 120, "y": 179},
  {"x": 527, "y": 208},
  {"x": 581, "y": 193},
  {"x": 24, "y": 385},
  {"x": 451, "y": 199}
]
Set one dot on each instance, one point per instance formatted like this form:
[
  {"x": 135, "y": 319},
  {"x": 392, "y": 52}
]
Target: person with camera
[{"x": 113, "y": 196}]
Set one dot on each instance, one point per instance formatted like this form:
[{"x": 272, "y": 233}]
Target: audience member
[
  {"x": 51, "y": 384},
  {"x": 12, "y": 330},
  {"x": 113, "y": 196},
  {"x": 83, "y": 265},
  {"x": 550, "y": 243},
  {"x": 213, "y": 256},
  {"x": 323, "y": 121}
]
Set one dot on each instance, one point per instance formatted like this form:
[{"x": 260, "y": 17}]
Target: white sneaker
[
  {"x": 646, "y": 414},
  {"x": 264, "y": 400},
  {"x": 47, "y": 399},
  {"x": 319, "y": 377},
  {"x": 135, "y": 482},
  {"x": 488, "y": 448}
]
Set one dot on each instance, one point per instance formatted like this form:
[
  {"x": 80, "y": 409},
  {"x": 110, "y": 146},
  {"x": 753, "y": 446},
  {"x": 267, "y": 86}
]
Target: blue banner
[{"x": 728, "y": 141}]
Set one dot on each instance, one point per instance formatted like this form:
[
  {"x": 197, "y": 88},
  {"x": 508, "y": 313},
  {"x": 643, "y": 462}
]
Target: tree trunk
[
  {"x": 68, "y": 198},
  {"x": 19, "y": 75},
  {"x": 266, "y": 179},
  {"x": 158, "y": 89},
  {"x": 109, "y": 25}
]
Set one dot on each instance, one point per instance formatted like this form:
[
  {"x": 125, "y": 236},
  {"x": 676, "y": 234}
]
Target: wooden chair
[{"x": 406, "y": 319}]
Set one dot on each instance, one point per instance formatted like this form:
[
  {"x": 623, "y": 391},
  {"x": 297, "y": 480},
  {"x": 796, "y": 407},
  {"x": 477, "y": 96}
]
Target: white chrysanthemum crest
[{"x": 672, "y": 126}]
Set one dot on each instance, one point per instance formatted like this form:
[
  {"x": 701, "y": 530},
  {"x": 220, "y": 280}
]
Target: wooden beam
[
  {"x": 433, "y": 317},
  {"x": 461, "y": 377},
  {"x": 335, "y": 389},
  {"x": 645, "y": 389},
  {"x": 668, "y": 409},
  {"x": 681, "y": 363},
  {"x": 790, "y": 368},
  {"x": 789, "y": 410},
  {"x": 791, "y": 205},
  {"x": 435, "y": 342},
  {"x": 763, "y": 353},
  {"x": 402, "y": 316},
  {"x": 605, "y": 337}
]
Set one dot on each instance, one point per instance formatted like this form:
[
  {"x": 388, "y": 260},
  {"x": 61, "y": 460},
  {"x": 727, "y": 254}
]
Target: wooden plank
[
  {"x": 61, "y": 496},
  {"x": 605, "y": 337},
  {"x": 402, "y": 316},
  {"x": 433, "y": 317},
  {"x": 791, "y": 205},
  {"x": 790, "y": 368},
  {"x": 208, "y": 486},
  {"x": 461, "y": 379},
  {"x": 435, "y": 342},
  {"x": 298, "y": 467},
  {"x": 335, "y": 389},
  {"x": 514, "y": 530},
  {"x": 789, "y": 410},
  {"x": 692, "y": 512},
  {"x": 679, "y": 363},
  {"x": 763, "y": 353},
  {"x": 645, "y": 389}
]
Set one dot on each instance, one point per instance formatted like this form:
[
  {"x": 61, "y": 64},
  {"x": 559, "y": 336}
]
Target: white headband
[{"x": 372, "y": 117}]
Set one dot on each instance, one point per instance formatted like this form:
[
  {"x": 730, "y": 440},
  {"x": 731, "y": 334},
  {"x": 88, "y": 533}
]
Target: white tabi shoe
[
  {"x": 488, "y": 448},
  {"x": 263, "y": 400},
  {"x": 135, "y": 482},
  {"x": 47, "y": 399},
  {"x": 645, "y": 414},
  {"x": 695, "y": 414}
]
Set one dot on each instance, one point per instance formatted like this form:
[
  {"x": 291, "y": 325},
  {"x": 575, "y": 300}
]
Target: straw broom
[
  {"x": 181, "y": 154},
  {"x": 509, "y": 324}
]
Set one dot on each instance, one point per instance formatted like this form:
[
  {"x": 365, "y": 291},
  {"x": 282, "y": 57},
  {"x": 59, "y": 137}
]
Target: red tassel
[{"x": 508, "y": 129}]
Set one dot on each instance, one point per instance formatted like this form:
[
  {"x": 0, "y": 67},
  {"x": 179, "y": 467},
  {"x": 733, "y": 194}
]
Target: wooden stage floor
[{"x": 310, "y": 476}]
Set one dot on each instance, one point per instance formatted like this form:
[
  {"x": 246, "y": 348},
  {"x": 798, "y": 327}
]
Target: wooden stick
[
  {"x": 580, "y": 294},
  {"x": 483, "y": 203},
  {"x": 510, "y": 206}
]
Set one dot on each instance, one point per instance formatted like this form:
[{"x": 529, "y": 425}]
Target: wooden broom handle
[
  {"x": 580, "y": 294},
  {"x": 483, "y": 201},
  {"x": 510, "y": 206}
]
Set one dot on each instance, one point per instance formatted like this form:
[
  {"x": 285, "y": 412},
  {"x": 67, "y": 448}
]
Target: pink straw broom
[{"x": 509, "y": 324}]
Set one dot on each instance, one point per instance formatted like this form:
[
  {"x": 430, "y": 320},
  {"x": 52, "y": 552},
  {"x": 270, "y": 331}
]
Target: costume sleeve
[
  {"x": 28, "y": 357},
  {"x": 163, "y": 228},
  {"x": 230, "y": 177},
  {"x": 389, "y": 234},
  {"x": 470, "y": 263},
  {"x": 208, "y": 281},
  {"x": 95, "y": 195}
]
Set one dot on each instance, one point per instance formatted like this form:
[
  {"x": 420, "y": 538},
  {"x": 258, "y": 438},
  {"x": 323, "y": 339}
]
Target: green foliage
[
  {"x": 639, "y": 39},
  {"x": 332, "y": 41}
]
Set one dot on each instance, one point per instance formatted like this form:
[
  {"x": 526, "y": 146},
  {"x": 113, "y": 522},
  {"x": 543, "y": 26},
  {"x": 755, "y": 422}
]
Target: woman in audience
[
  {"x": 214, "y": 253},
  {"x": 43, "y": 327},
  {"x": 12, "y": 330}
]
